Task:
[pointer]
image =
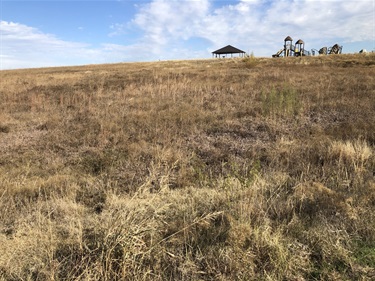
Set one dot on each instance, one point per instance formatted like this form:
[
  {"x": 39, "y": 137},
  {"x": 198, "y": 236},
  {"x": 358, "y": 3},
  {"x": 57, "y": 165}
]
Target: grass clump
[
  {"x": 284, "y": 102},
  {"x": 251, "y": 61},
  {"x": 4, "y": 129}
]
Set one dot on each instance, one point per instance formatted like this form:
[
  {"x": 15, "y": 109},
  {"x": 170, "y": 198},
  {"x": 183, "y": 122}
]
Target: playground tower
[
  {"x": 288, "y": 46},
  {"x": 300, "y": 48}
]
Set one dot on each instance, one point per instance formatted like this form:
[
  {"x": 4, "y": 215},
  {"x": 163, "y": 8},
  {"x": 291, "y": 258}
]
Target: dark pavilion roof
[{"x": 228, "y": 50}]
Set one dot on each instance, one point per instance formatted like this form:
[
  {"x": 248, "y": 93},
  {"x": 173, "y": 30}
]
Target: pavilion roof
[{"x": 228, "y": 50}]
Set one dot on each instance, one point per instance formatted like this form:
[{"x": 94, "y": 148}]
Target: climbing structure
[{"x": 298, "y": 49}]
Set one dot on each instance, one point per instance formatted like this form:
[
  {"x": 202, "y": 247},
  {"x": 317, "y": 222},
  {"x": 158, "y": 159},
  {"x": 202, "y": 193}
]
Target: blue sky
[{"x": 56, "y": 33}]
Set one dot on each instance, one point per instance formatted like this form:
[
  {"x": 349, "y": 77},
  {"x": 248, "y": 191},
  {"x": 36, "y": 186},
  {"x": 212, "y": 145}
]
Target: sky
[{"x": 61, "y": 33}]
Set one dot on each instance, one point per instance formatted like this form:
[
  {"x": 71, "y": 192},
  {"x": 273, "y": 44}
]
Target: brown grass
[{"x": 235, "y": 169}]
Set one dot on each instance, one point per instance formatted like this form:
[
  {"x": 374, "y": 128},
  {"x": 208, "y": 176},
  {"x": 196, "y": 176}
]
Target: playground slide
[{"x": 278, "y": 53}]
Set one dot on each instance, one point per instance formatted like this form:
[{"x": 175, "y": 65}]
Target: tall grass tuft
[{"x": 280, "y": 102}]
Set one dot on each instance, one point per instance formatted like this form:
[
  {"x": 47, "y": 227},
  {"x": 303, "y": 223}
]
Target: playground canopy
[
  {"x": 300, "y": 41},
  {"x": 228, "y": 50},
  {"x": 288, "y": 38}
]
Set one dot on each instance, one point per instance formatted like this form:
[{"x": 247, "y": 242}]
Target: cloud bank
[
  {"x": 23, "y": 46},
  {"x": 257, "y": 25},
  {"x": 171, "y": 29}
]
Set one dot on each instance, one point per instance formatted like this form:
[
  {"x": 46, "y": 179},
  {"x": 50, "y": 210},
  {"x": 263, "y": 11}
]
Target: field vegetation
[{"x": 222, "y": 169}]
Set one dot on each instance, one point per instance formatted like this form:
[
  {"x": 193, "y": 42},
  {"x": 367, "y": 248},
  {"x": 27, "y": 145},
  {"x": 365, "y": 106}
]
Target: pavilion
[{"x": 228, "y": 50}]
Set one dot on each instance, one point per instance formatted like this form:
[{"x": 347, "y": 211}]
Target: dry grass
[{"x": 236, "y": 169}]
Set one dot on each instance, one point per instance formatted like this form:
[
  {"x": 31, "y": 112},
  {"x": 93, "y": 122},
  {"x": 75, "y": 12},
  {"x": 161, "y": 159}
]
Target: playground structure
[
  {"x": 335, "y": 49},
  {"x": 298, "y": 49}
]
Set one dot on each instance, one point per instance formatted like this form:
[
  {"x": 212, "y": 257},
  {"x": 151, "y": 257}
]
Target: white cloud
[
  {"x": 163, "y": 20},
  {"x": 24, "y": 46}
]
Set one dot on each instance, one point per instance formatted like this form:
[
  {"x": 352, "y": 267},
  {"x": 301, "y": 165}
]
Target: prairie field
[{"x": 221, "y": 169}]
